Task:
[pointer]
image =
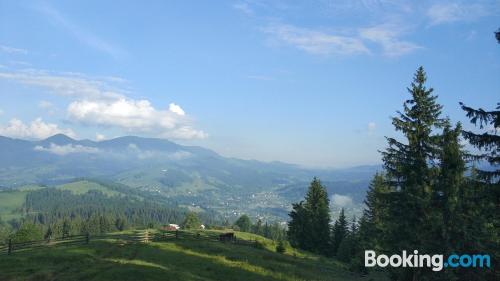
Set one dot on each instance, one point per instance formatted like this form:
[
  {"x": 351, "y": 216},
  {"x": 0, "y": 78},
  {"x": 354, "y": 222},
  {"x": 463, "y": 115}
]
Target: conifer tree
[
  {"x": 257, "y": 228},
  {"x": 488, "y": 142},
  {"x": 411, "y": 172},
  {"x": 372, "y": 223},
  {"x": 191, "y": 221},
  {"x": 340, "y": 231},
  {"x": 299, "y": 227},
  {"x": 318, "y": 210}
]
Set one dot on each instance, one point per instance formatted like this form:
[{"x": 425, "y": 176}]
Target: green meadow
[{"x": 183, "y": 259}]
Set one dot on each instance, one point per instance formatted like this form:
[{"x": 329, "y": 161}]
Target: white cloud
[
  {"x": 176, "y": 109},
  {"x": 185, "y": 132},
  {"x": 134, "y": 116},
  {"x": 36, "y": 130},
  {"x": 148, "y": 154},
  {"x": 317, "y": 42},
  {"x": 387, "y": 37},
  {"x": 243, "y": 7},
  {"x": 65, "y": 85},
  {"x": 12, "y": 50},
  {"x": 341, "y": 200},
  {"x": 442, "y": 13},
  {"x": 321, "y": 43},
  {"x": 66, "y": 149},
  {"x": 100, "y": 137}
]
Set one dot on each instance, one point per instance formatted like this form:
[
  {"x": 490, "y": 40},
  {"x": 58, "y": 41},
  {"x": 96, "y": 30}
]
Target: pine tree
[
  {"x": 411, "y": 172},
  {"x": 48, "y": 234},
  {"x": 340, "y": 231},
  {"x": 488, "y": 142},
  {"x": 299, "y": 227},
  {"x": 191, "y": 221},
  {"x": 257, "y": 228},
  {"x": 372, "y": 223},
  {"x": 65, "y": 229},
  {"x": 317, "y": 205}
]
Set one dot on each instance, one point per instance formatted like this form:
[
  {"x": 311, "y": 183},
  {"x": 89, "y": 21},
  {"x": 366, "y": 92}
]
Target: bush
[{"x": 280, "y": 248}]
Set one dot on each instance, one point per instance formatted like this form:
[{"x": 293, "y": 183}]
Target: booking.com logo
[{"x": 436, "y": 262}]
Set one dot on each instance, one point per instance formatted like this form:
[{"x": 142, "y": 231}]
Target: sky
[{"x": 307, "y": 82}]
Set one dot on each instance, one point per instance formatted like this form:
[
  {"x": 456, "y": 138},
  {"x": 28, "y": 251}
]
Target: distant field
[
  {"x": 186, "y": 260},
  {"x": 81, "y": 187},
  {"x": 10, "y": 202}
]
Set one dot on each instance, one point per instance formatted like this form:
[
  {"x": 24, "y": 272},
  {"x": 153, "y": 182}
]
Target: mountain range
[{"x": 193, "y": 176}]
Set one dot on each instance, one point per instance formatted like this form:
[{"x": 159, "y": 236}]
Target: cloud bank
[
  {"x": 37, "y": 129},
  {"x": 62, "y": 150},
  {"x": 94, "y": 102}
]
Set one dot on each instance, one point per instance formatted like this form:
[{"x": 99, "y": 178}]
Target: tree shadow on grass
[
  {"x": 182, "y": 260},
  {"x": 292, "y": 267},
  {"x": 186, "y": 264}
]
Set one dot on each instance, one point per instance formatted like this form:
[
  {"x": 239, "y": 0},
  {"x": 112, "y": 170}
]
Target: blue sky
[{"x": 307, "y": 82}]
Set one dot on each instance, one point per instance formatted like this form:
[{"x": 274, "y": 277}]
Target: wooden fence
[
  {"x": 200, "y": 235},
  {"x": 13, "y": 246},
  {"x": 140, "y": 236}
]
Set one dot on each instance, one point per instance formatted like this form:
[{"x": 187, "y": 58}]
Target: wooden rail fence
[{"x": 141, "y": 236}]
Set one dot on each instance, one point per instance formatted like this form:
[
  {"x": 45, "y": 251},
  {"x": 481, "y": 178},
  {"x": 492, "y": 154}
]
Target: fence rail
[
  {"x": 142, "y": 236},
  {"x": 13, "y": 246}
]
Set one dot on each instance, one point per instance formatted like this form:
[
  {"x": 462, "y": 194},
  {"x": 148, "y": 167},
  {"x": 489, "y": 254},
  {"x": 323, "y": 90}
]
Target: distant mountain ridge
[{"x": 192, "y": 175}]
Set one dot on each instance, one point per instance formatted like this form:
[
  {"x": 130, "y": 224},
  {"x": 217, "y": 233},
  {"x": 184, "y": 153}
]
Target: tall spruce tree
[
  {"x": 317, "y": 205},
  {"x": 411, "y": 172},
  {"x": 309, "y": 227}
]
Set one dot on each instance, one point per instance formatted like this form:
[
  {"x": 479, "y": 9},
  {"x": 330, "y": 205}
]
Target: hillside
[
  {"x": 109, "y": 259},
  {"x": 194, "y": 177},
  {"x": 35, "y": 201}
]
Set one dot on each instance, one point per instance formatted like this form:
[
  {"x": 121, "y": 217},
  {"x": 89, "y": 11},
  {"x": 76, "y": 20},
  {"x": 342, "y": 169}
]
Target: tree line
[{"x": 272, "y": 230}]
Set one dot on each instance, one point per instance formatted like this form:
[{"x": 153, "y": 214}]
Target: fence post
[
  {"x": 9, "y": 250},
  {"x": 176, "y": 234},
  {"x": 87, "y": 238}
]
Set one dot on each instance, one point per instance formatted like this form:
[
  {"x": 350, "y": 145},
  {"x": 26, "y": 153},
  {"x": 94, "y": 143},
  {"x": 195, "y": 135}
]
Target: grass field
[
  {"x": 172, "y": 260},
  {"x": 81, "y": 187},
  {"x": 10, "y": 202}
]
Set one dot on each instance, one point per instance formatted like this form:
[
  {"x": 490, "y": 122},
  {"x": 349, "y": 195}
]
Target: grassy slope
[
  {"x": 10, "y": 201},
  {"x": 173, "y": 260},
  {"x": 81, "y": 187}
]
